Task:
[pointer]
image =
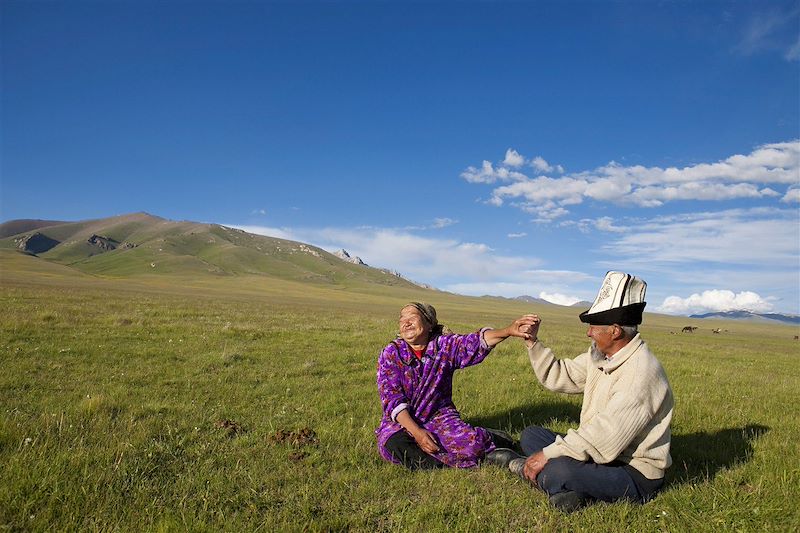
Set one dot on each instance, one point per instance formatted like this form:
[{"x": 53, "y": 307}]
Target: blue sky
[{"x": 483, "y": 148}]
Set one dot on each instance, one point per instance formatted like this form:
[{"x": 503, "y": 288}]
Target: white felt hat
[{"x": 619, "y": 301}]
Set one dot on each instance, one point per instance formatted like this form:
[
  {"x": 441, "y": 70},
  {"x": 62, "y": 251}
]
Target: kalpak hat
[{"x": 620, "y": 301}]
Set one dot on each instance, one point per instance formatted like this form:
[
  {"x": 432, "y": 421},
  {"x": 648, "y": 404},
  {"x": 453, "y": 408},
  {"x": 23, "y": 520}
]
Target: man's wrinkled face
[
  {"x": 603, "y": 337},
  {"x": 413, "y": 328}
]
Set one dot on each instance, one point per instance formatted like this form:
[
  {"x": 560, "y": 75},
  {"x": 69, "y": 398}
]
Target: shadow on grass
[
  {"x": 697, "y": 457},
  {"x": 517, "y": 419},
  {"x": 701, "y": 456}
]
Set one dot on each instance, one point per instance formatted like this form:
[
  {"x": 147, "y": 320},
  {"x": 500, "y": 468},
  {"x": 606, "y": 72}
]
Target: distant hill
[
  {"x": 530, "y": 299},
  {"x": 140, "y": 244},
  {"x": 747, "y": 315},
  {"x": 15, "y": 227}
]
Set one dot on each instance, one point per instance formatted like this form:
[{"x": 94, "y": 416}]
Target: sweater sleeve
[
  {"x": 393, "y": 397},
  {"x": 559, "y": 375},
  {"x": 608, "y": 432}
]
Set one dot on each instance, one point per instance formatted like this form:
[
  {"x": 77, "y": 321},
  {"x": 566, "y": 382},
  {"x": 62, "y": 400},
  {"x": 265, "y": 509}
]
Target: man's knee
[
  {"x": 557, "y": 475},
  {"x": 534, "y": 438}
]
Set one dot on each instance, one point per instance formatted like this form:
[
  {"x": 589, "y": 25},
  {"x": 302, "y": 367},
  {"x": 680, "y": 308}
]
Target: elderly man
[{"x": 620, "y": 450}]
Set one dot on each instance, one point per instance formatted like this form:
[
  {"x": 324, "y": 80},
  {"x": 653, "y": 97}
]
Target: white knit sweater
[{"x": 627, "y": 406}]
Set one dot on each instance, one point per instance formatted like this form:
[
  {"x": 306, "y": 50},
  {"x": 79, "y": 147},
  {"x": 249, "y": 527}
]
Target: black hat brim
[{"x": 627, "y": 315}]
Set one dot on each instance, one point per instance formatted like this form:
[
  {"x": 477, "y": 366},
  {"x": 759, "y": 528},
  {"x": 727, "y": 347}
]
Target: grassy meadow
[{"x": 247, "y": 403}]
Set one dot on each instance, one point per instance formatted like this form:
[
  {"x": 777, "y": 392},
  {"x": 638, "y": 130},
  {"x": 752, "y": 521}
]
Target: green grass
[{"x": 112, "y": 391}]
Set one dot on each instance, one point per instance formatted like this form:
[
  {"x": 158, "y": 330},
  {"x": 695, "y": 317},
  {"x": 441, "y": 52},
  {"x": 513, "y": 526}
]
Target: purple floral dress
[{"x": 425, "y": 388}]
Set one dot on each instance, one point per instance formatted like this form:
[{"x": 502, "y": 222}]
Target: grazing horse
[
  {"x": 716, "y": 330},
  {"x": 688, "y": 329}
]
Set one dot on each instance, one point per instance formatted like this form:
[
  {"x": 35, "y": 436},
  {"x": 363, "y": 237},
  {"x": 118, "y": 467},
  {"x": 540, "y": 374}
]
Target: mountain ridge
[
  {"x": 141, "y": 244},
  {"x": 749, "y": 315}
]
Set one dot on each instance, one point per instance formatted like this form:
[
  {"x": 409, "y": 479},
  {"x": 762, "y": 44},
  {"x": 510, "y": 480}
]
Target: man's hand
[
  {"x": 534, "y": 465},
  {"x": 525, "y": 327}
]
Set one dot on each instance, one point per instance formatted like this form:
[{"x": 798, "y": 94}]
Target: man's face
[
  {"x": 413, "y": 328},
  {"x": 603, "y": 336}
]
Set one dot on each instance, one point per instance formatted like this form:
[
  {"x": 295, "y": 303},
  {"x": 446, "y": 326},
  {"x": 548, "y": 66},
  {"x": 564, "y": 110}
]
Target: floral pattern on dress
[{"x": 425, "y": 386}]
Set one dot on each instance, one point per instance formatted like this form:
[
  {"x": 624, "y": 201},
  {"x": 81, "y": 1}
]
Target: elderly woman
[{"x": 421, "y": 428}]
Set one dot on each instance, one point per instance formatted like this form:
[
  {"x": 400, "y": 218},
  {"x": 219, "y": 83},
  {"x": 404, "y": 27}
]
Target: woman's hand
[
  {"x": 426, "y": 441},
  {"x": 525, "y": 327},
  {"x": 424, "y": 438}
]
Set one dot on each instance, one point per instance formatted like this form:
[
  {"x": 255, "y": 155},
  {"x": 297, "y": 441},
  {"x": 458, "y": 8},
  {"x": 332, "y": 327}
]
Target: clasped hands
[{"x": 526, "y": 327}]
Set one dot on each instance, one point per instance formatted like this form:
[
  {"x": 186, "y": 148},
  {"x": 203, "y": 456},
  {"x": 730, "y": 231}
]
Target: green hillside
[{"x": 143, "y": 245}]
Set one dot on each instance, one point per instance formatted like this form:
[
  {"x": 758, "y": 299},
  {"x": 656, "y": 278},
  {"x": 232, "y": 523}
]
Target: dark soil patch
[
  {"x": 230, "y": 427},
  {"x": 295, "y": 438}
]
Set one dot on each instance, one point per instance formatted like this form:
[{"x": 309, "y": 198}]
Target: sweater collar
[{"x": 619, "y": 358}]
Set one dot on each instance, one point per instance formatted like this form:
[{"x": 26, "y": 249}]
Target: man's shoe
[
  {"x": 500, "y": 438},
  {"x": 517, "y": 466},
  {"x": 569, "y": 501},
  {"x": 502, "y": 457}
]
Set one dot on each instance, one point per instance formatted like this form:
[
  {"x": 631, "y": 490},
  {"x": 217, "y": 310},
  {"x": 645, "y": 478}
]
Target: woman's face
[{"x": 413, "y": 328}]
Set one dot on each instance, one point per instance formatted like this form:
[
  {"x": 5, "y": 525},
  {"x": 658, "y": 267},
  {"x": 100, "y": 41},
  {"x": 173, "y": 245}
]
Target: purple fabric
[{"x": 426, "y": 387}]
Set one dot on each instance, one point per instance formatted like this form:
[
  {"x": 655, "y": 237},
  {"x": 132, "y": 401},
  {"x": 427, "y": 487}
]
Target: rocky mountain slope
[{"x": 141, "y": 244}]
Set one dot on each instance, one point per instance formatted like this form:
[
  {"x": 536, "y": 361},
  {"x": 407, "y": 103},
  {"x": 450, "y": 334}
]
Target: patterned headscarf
[{"x": 429, "y": 315}]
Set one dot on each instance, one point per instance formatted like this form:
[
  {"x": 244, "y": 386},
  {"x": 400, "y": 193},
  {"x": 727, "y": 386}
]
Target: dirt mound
[
  {"x": 296, "y": 438},
  {"x": 230, "y": 427}
]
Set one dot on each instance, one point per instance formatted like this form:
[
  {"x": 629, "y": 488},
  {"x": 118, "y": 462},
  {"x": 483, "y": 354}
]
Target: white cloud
[
  {"x": 792, "y": 195},
  {"x": 715, "y": 301},
  {"x": 542, "y": 188},
  {"x": 463, "y": 267},
  {"x": 557, "y": 298},
  {"x": 541, "y": 165},
  {"x": 736, "y": 177},
  {"x": 489, "y": 174},
  {"x": 513, "y": 159},
  {"x": 517, "y": 235},
  {"x": 524, "y": 283},
  {"x": 258, "y": 212}
]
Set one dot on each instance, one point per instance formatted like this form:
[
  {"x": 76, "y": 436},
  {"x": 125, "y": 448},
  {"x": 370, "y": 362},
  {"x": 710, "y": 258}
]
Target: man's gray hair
[{"x": 630, "y": 331}]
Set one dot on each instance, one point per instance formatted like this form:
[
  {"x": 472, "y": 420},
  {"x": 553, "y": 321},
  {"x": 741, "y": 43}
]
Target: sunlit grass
[{"x": 113, "y": 395}]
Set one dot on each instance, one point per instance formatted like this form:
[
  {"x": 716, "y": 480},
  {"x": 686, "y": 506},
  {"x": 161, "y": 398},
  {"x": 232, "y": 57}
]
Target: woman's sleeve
[
  {"x": 390, "y": 390},
  {"x": 467, "y": 350}
]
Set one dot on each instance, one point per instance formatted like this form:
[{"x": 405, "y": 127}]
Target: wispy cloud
[
  {"x": 449, "y": 264},
  {"x": 517, "y": 235},
  {"x": 764, "y": 173},
  {"x": 258, "y": 212},
  {"x": 774, "y": 30},
  {"x": 793, "y": 53},
  {"x": 439, "y": 223},
  {"x": 734, "y": 237},
  {"x": 280, "y": 233}
]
